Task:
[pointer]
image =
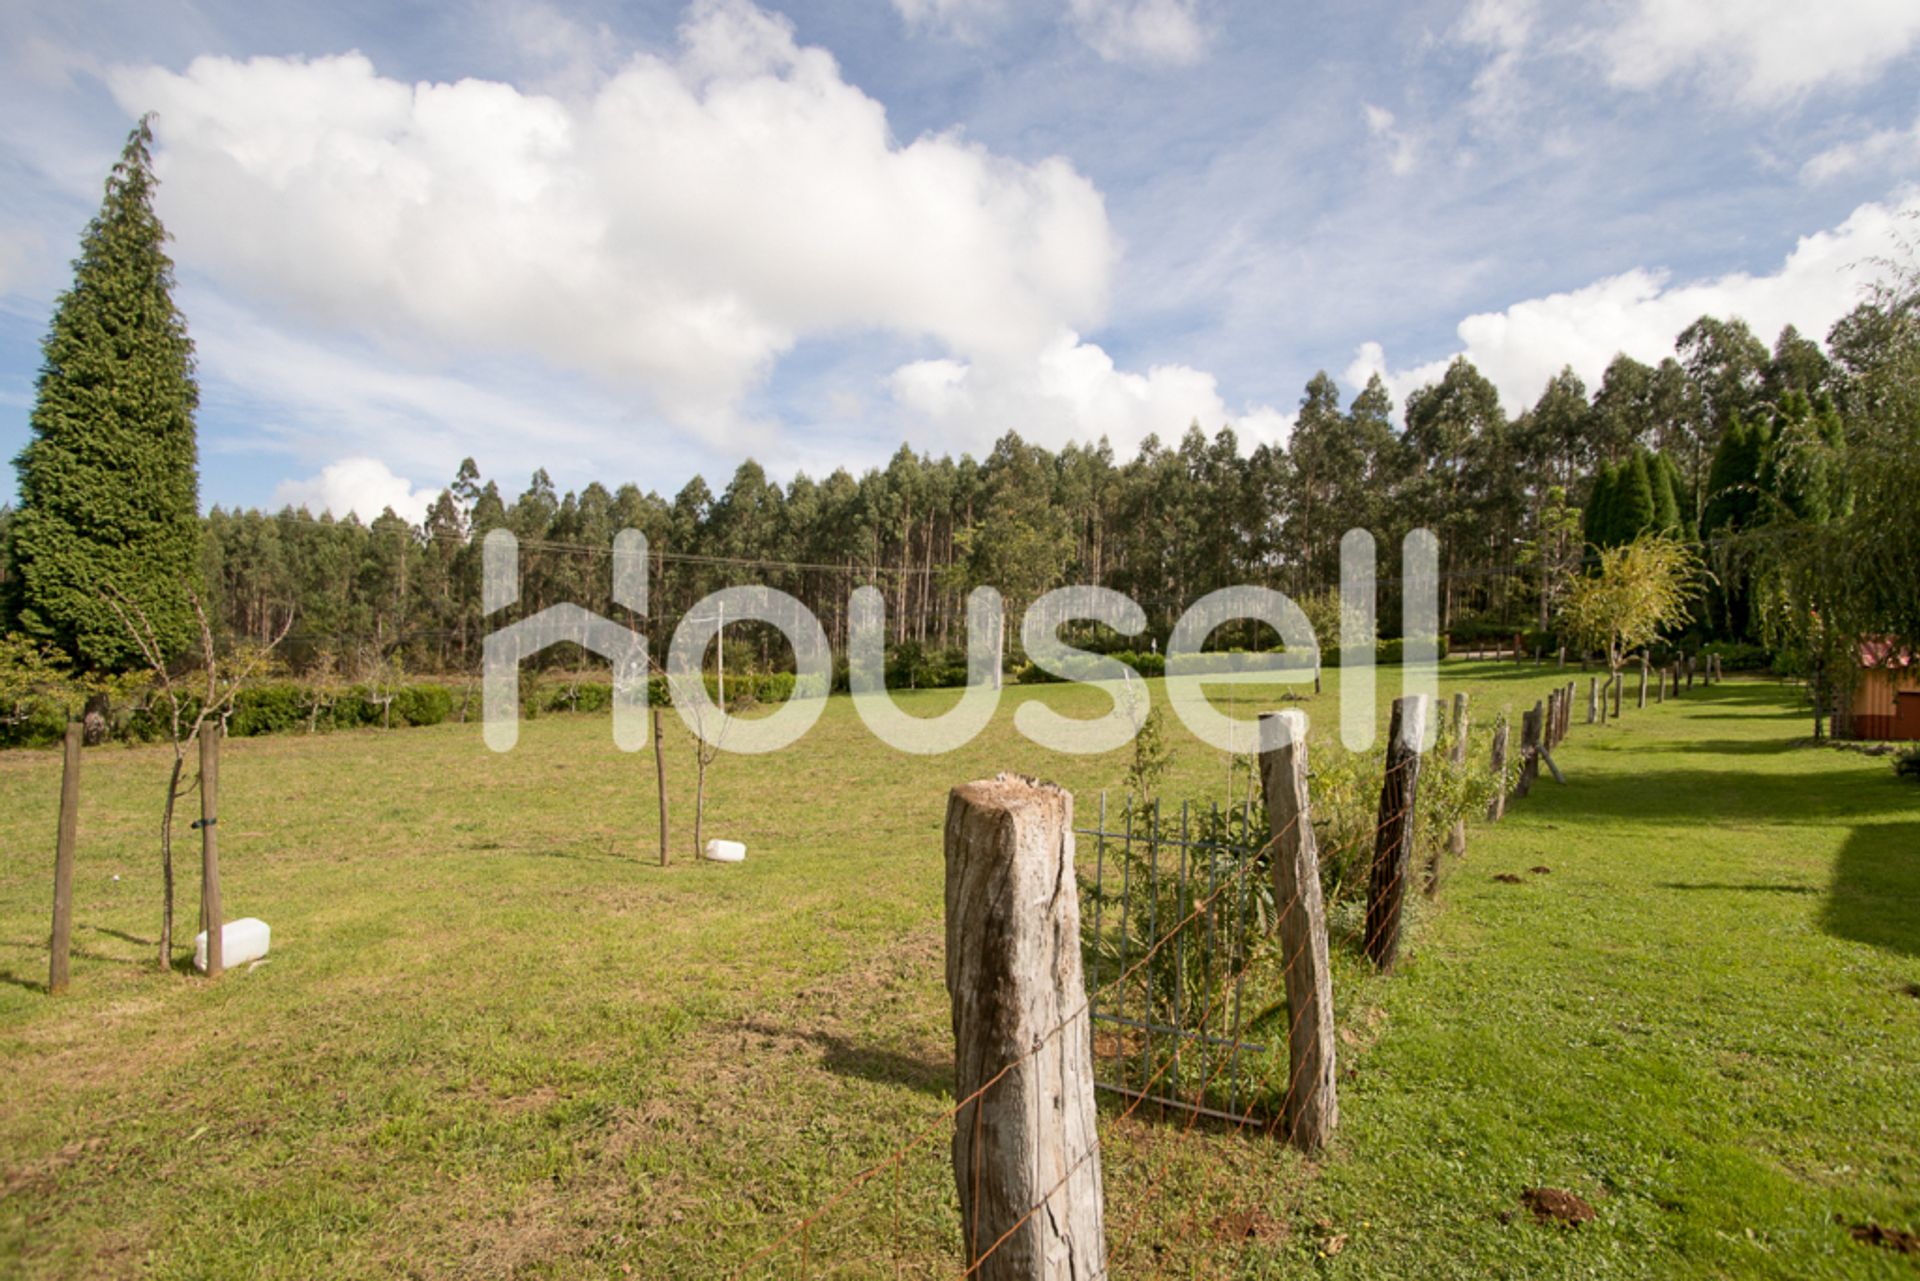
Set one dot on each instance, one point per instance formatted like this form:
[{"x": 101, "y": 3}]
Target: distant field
[{"x": 493, "y": 1039}]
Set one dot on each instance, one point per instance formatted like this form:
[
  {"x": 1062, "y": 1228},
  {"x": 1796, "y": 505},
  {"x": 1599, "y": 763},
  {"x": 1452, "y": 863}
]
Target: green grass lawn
[{"x": 494, "y": 1040}]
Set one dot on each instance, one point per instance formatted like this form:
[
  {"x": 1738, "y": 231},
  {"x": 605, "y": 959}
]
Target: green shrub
[
  {"x": 1907, "y": 764},
  {"x": 1738, "y": 656},
  {"x": 271, "y": 708},
  {"x": 422, "y": 705}
]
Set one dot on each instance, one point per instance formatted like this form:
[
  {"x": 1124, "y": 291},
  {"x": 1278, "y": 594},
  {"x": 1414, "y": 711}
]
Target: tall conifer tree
[{"x": 109, "y": 488}]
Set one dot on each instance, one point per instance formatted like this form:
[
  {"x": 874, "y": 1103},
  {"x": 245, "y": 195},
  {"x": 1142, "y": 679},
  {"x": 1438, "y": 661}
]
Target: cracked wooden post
[
  {"x": 210, "y": 847},
  {"x": 1497, "y": 807},
  {"x": 1593, "y": 699},
  {"x": 1457, "y": 838},
  {"x": 1020, "y": 1008},
  {"x": 1619, "y": 689},
  {"x": 1312, "y": 1107},
  {"x": 1643, "y": 679},
  {"x": 61, "y": 945},
  {"x": 1393, "y": 833},
  {"x": 1529, "y": 752}
]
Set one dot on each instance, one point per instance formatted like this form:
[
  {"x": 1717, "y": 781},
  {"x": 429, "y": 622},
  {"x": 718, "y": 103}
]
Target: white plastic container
[
  {"x": 240, "y": 941},
  {"x": 726, "y": 851}
]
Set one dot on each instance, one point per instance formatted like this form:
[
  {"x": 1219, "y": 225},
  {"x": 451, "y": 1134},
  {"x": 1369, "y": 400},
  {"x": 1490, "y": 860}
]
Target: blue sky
[{"x": 631, "y": 242}]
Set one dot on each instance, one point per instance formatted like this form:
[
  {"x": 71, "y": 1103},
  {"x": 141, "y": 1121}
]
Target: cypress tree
[
  {"x": 1600, "y": 501},
  {"x": 1633, "y": 510},
  {"x": 109, "y": 488},
  {"x": 1666, "y": 501}
]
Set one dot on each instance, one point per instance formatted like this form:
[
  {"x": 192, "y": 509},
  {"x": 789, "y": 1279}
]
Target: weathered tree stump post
[
  {"x": 1593, "y": 699},
  {"x": 1020, "y": 1008},
  {"x": 1393, "y": 833},
  {"x": 1529, "y": 752},
  {"x": 1689, "y": 661},
  {"x": 1457, "y": 838},
  {"x": 1497, "y": 807},
  {"x": 1675, "y": 670},
  {"x": 1642, "y": 702},
  {"x": 1563, "y": 658},
  {"x": 1312, "y": 1107},
  {"x": 61, "y": 945},
  {"x": 1619, "y": 689},
  {"x": 210, "y": 846},
  {"x": 1660, "y": 686}
]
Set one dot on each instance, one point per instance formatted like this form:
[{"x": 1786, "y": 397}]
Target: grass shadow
[
  {"x": 1735, "y": 887},
  {"x": 843, "y": 1057},
  {"x": 1875, "y": 895},
  {"x": 30, "y": 985}
]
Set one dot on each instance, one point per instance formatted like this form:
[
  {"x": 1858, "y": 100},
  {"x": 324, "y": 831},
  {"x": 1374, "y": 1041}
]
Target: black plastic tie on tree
[{"x": 199, "y": 823}]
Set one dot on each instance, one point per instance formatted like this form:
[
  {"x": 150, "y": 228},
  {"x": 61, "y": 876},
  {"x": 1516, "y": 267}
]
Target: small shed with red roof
[{"x": 1886, "y": 697}]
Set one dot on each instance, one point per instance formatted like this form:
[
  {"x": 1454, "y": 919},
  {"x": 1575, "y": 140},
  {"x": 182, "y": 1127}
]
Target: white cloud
[
  {"x": 1640, "y": 312},
  {"x": 961, "y": 19},
  {"x": 1152, "y": 31},
  {"x": 1167, "y": 32},
  {"x": 1759, "y": 51},
  {"x": 1882, "y": 150},
  {"x": 1073, "y": 392},
  {"x": 364, "y": 486},
  {"x": 1399, "y": 147},
  {"x": 1505, "y": 28},
  {"x": 674, "y": 232}
]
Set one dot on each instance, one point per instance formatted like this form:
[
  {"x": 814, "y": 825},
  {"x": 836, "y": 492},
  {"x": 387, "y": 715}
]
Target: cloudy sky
[{"x": 631, "y": 242}]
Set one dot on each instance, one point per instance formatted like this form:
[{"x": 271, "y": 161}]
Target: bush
[
  {"x": 272, "y": 708},
  {"x": 422, "y": 705},
  {"x": 1907, "y": 764},
  {"x": 1738, "y": 656}
]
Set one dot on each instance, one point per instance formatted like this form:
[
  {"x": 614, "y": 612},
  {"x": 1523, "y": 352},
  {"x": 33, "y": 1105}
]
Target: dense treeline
[{"x": 1517, "y": 499}]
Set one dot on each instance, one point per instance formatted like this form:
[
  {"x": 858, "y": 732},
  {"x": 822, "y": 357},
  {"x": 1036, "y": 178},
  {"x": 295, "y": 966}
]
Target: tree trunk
[
  {"x": 166, "y": 861},
  {"x": 1026, "y": 1156}
]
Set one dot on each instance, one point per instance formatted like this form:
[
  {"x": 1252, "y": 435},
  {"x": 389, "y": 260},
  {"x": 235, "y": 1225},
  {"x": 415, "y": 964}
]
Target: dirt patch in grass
[
  {"x": 1508, "y": 878},
  {"x": 1898, "y": 1240},
  {"x": 1250, "y": 1225},
  {"x": 1557, "y": 1205},
  {"x": 1540, "y": 869},
  {"x": 33, "y": 1173}
]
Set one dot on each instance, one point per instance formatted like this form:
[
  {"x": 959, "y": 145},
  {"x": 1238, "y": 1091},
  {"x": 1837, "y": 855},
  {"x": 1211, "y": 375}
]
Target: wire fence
[{"x": 1186, "y": 1013}]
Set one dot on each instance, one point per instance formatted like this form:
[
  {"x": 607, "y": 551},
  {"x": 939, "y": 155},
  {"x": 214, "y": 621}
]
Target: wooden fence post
[
  {"x": 1593, "y": 699},
  {"x": 1689, "y": 661},
  {"x": 210, "y": 736},
  {"x": 1020, "y": 1015},
  {"x": 1563, "y": 658},
  {"x": 1529, "y": 752},
  {"x": 1643, "y": 680},
  {"x": 1619, "y": 689},
  {"x": 660, "y": 782},
  {"x": 1497, "y": 807},
  {"x": 1312, "y": 1107},
  {"x": 1393, "y": 833},
  {"x": 62, "y": 940},
  {"x": 1675, "y": 672},
  {"x": 1457, "y": 838}
]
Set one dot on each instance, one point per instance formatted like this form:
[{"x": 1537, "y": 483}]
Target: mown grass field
[{"x": 493, "y": 1039}]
